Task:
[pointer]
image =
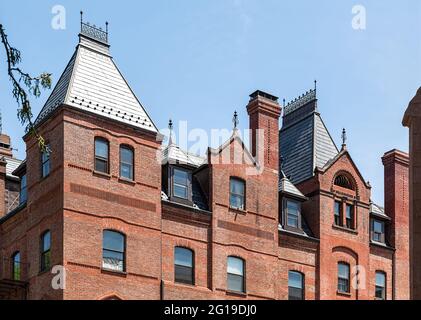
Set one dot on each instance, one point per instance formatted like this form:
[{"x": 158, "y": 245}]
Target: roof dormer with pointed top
[{"x": 92, "y": 83}]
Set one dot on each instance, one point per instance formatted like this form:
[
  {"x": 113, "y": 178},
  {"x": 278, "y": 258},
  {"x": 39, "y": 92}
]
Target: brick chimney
[
  {"x": 5, "y": 146},
  {"x": 2, "y": 186},
  {"x": 264, "y": 112},
  {"x": 396, "y": 201}
]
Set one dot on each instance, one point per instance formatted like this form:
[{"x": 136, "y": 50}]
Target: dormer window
[
  {"x": 237, "y": 194},
  {"x": 181, "y": 184},
  {"x": 378, "y": 231},
  {"x": 292, "y": 214}
]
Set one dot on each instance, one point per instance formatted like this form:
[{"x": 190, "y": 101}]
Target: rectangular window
[
  {"x": 46, "y": 251},
  {"x": 380, "y": 286},
  {"x": 338, "y": 211},
  {"x": 343, "y": 278},
  {"x": 101, "y": 155},
  {"x": 237, "y": 192},
  {"x": 126, "y": 162},
  {"x": 23, "y": 197},
  {"x": 113, "y": 251},
  {"x": 349, "y": 216},
  {"x": 184, "y": 265},
  {"x": 295, "y": 285},
  {"x": 293, "y": 214},
  {"x": 378, "y": 234},
  {"x": 235, "y": 274},
  {"x": 45, "y": 162},
  {"x": 181, "y": 182}
]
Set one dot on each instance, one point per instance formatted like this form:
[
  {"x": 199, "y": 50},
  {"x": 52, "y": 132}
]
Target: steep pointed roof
[
  {"x": 92, "y": 83},
  {"x": 305, "y": 142},
  {"x": 287, "y": 187}
]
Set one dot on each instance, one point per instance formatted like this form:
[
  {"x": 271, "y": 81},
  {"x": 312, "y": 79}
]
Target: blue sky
[{"x": 199, "y": 60}]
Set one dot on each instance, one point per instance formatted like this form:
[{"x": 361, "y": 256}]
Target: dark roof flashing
[{"x": 262, "y": 94}]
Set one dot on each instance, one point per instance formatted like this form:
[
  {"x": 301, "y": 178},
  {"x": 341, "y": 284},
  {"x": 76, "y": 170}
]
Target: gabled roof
[
  {"x": 92, "y": 83},
  {"x": 173, "y": 154},
  {"x": 11, "y": 165},
  {"x": 378, "y": 211},
  {"x": 305, "y": 142},
  {"x": 287, "y": 187},
  {"x": 343, "y": 152}
]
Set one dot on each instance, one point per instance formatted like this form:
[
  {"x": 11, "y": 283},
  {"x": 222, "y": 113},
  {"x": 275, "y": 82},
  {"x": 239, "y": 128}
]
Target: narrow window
[
  {"x": 378, "y": 234},
  {"x": 113, "y": 251},
  {"x": 380, "y": 285},
  {"x": 126, "y": 163},
  {"x": 338, "y": 209},
  {"x": 23, "y": 197},
  {"x": 101, "y": 155},
  {"x": 235, "y": 271},
  {"x": 181, "y": 182},
  {"x": 295, "y": 285},
  {"x": 349, "y": 216},
  {"x": 184, "y": 265},
  {"x": 293, "y": 214},
  {"x": 237, "y": 192},
  {"x": 45, "y": 162},
  {"x": 46, "y": 251},
  {"x": 343, "y": 278},
  {"x": 16, "y": 270}
]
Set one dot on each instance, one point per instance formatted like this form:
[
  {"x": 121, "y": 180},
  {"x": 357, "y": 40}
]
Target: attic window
[{"x": 344, "y": 182}]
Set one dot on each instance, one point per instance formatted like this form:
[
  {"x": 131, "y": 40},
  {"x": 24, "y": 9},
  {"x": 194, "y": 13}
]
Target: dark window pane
[
  {"x": 180, "y": 191},
  {"x": 380, "y": 285},
  {"x": 181, "y": 177},
  {"x": 343, "y": 277},
  {"x": 237, "y": 187},
  {"x": 235, "y": 283},
  {"x": 112, "y": 260},
  {"x": 236, "y": 201},
  {"x": 45, "y": 260},
  {"x": 101, "y": 165},
  {"x": 295, "y": 293},
  {"x": 23, "y": 197},
  {"x": 293, "y": 212},
  {"x": 126, "y": 163},
  {"x": 235, "y": 266},
  {"x": 338, "y": 206},
  {"x": 113, "y": 253},
  {"x": 184, "y": 274},
  {"x": 126, "y": 155}
]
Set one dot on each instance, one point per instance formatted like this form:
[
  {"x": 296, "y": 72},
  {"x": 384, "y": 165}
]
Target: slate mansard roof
[
  {"x": 92, "y": 82},
  {"x": 305, "y": 142}
]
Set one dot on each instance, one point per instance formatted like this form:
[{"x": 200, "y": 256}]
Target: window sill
[
  {"x": 344, "y": 294},
  {"x": 237, "y": 210},
  {"x": 236, "y": 293},
  {"x": 353, "y": 231},
  {"x": 114, "y": 272},
  {"x": 127, "y": 181},
  {"x": 102, "y": 175}
]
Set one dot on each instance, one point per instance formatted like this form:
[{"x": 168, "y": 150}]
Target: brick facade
[{"x": 77, "y": 204}]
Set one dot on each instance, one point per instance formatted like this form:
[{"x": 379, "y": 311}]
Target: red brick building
[{"x": 129, "y": 218}]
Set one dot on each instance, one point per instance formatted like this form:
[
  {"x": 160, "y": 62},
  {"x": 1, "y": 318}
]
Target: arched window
[
  {"x": 343, "y": 277},
  {"x": 102, "y": 155},
  {"x": 45, "y": 251},
  {"x": 184, "y": 265},
  {"x": 295, "y": 285},
  {"x": 113, "y": 251},
  {"x": 237, "y": 194},
  {"x": 126, "y": 162},
  {"x": 16, "y": 270},
  {"x": 344, "y": 182},
  {"x": 380, "y": 285},
  {"x": 236, "y": 274}
]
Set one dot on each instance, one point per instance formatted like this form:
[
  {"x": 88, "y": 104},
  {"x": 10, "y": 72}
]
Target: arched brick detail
[{"x": 352, "y": 179}]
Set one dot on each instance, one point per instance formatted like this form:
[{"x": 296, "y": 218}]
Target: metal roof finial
[
  {"x": 235, "y": 120},
  {"x": 81, "y": 19},
  {"x": 284, "y": 101},
  {"x": 344, "y": 137},
  {"x": 170, "y": 126},
  {"x": 315, "y": 85}
]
